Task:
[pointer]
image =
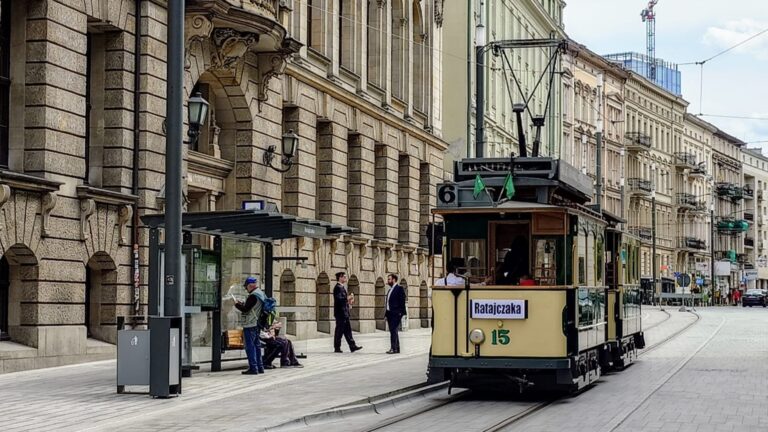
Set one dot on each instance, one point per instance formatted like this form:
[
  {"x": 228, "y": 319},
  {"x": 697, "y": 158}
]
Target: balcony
[
  {"x": 742, "y": 258},
  {"x": 726, "y": 255},
  {"x": 637, "y": 142},
  {"x": 762, "y": 194},
  {"x": 643, "y": 233},
  {"x": 685, "y": 160},
  {"x": 700, "y": 171},
  {"x": 731, "y": 226},
  {"x": 640, "y": 187},
  {"x": 686, "y": 201},
  {"x": 691, "y": 243},
  {"x": 748, "y": 192},
  {"x": 729, "y": 190},
  {"x": 749, "y": 242},
  {"x": 748, "y": 215}
]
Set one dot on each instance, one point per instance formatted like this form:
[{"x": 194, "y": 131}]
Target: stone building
[
  {"x": 581, "y": 68},
  {"x": 654, "y": 129},
  {"x": 755, "y": 165},
  {"x": 502, "y": 20},
  {"x": 82, "y": 144}
]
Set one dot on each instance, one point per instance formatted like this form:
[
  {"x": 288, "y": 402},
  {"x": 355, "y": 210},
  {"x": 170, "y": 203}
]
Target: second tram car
[{"x": 550, "y": 293}]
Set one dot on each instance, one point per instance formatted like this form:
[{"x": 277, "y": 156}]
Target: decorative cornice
[
  {"x": 28, "y": 182},
  {"x": 105, "y": 196},
  {"x": 208, "y": 165}
]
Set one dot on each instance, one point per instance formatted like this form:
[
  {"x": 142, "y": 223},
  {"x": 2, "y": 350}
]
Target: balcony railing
[
  {"x": 640, "y": 186},
  {"x": 642, "y": 232},
  {"x": 699, "y": 171},
  {"x": 731, "y": 226},
  {"x": 748, "y": 192},
  {"x": 729, "y": 190},
  {"x": 726, "y": 255},
  {"x": 692, "y": 243},
  {"x": 687, "y": 200},
  {"x": 749, "y": 242},
  {"x": 636, "y": 141},
  {"x": 748, "y": 215},
  {"x": 685, "y": 160},
  {"x": 742, "y": 258}
]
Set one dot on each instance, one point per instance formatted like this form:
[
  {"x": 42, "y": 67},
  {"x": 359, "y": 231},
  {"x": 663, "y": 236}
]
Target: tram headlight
[{"x": 477, "y": 336}]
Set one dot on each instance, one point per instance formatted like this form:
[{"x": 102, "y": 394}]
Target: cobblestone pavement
[
  {"x": 82, "y": 397},
  {"x": 712, "y": 377}
]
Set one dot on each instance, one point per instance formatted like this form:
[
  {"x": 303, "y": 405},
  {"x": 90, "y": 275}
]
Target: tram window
[
  {"x": 581, "y": 247},
  {"x": 590, "y": 252},
  {"x": 545, "y": 270},
  {"x": 600, "y": 258},
  {"x": 472, "y": 252}
]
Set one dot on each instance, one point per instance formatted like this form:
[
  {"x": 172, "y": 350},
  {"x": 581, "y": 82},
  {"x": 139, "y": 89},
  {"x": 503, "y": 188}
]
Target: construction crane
[{"x": 649, "y": 18}]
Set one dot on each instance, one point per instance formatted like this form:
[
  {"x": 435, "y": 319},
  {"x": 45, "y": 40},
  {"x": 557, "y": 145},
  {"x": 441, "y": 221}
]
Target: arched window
[
  {"x": 373, "y": 27},
  {"x": 5, "y": 78}
]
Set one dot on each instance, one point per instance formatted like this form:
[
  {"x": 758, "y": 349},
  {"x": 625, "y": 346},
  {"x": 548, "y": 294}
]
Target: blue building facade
[{"x": 667, "y": 76}]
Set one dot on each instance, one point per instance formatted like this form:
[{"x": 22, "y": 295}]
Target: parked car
[{"x": 754, "y": 297}]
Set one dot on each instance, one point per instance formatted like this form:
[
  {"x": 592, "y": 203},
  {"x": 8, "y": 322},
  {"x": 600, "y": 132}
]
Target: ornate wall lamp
[{"x": 290, "y": 149}]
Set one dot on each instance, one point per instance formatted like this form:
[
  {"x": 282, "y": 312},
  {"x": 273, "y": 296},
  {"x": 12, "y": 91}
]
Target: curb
[{"x": 372, "y": 404}]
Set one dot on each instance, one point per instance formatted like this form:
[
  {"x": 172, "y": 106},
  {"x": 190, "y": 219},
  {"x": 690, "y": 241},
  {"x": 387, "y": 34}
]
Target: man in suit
[
  {"x": 341, "y": 302},
  {"x": 395, "y": 311}
]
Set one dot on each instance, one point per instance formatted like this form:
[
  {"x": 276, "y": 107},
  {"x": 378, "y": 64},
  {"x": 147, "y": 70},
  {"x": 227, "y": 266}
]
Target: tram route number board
[{"x": 499, "y": 309}]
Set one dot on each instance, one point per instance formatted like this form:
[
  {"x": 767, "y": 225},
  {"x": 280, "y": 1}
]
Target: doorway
[{"x": 510, "y": 251}]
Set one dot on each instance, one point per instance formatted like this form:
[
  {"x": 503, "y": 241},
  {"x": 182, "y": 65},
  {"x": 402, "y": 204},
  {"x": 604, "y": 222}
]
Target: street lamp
[
  {"x": 290, "y": 144},
  {"x": 197, "y": 111}
]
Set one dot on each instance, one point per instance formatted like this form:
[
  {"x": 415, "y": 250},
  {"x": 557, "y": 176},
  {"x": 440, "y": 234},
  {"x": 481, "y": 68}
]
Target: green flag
[
  {"x": 479, "y": 186},
  {"x": 509, "y": 186}
]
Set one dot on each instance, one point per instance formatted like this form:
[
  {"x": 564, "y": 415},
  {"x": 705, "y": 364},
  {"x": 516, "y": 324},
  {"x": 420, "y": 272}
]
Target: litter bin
[
  {"x": 132, "y": 354},
  {"x": 165, "y": 361}
]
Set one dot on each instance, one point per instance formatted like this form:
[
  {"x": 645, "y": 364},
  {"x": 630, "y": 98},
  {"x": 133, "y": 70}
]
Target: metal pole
[
  {"x": 479, "y": 84},
  {"x": 599, "y": 141},
  {"x": 656, "y": 284},
  {"x": 712, "y": 250},
  {"x": 173, "y": 148}
]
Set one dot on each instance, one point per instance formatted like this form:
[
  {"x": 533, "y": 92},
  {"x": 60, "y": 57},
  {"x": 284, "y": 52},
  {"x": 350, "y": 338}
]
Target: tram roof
[{"x": 515, "y": 206}]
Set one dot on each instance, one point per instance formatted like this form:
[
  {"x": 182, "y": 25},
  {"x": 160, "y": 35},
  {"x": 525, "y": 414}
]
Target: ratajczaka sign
[{"x": 499, "y": 309}]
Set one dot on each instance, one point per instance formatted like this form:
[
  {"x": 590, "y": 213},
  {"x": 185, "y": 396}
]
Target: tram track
[{"x": 525, "y": 410}]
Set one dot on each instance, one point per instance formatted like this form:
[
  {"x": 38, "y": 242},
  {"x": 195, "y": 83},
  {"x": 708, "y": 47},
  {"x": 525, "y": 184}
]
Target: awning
[{"x": 252, "y": 225}]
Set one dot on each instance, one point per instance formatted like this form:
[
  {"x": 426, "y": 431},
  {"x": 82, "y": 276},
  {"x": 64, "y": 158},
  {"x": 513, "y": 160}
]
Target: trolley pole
[{"x": 479, "y": 84}]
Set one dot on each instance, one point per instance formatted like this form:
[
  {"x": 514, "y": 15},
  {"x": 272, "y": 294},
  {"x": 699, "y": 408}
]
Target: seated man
[{"x": 274, "y": 346}]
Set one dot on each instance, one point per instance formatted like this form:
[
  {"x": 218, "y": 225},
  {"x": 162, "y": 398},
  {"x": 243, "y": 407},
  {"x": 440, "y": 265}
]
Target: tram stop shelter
[{"x": 221, "y": 249}]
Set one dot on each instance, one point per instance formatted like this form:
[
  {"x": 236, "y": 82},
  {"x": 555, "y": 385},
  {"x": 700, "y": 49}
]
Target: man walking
[
  {"x": 341, "y": 302},
  {"x": 251, "y": 310},
  {"x": 395, "y": 312}
]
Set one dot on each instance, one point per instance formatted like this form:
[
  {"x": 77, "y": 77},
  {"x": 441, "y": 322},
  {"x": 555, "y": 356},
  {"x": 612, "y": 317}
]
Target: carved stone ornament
[
  {"x": 47, "y": 205},
  {"x": 198, "y": 29},
  {"x": 5, "y": 195},
  {"x": 439, "y": 12},
  {"x": 230, "y": 47},
  {"x": 124, "y": 216},
  {"x": 87, "y": 209},
  {"x": 270, "y": 65}
]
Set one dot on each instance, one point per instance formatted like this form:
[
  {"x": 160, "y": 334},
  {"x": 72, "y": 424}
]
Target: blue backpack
[{"x": 268, "y": 310}]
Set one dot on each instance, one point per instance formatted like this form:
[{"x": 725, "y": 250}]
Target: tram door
[{"x": 510, "y": 251}]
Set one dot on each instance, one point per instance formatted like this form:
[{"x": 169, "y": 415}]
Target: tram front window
[{"x": 469, "y": 255}]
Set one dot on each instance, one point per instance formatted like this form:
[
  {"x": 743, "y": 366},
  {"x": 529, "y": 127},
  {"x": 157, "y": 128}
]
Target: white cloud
[{"x": 735, "y": 32}]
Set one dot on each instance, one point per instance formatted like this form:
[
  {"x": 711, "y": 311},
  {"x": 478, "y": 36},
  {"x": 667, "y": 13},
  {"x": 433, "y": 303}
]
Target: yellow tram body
[{"x": 546, "y": 294}]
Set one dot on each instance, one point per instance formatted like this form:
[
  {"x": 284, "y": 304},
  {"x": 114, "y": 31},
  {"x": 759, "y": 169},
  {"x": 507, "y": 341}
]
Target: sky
[{"x": 734, "y": 84}]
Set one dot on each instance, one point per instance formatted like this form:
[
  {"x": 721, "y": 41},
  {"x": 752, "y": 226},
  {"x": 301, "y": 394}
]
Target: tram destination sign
[{"x": 499, "y": 309}]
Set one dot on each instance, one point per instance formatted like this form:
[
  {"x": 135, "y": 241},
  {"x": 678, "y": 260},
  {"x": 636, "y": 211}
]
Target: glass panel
[
  {"x": 590, "y": 252},
  {"x": 200, "y": 329},
  {"x": 545, "y": 270},
  {"x": 205, "y": 279},
  {"x": 472, "y": 253},
  {"x": 238, "y": 261},
  {"x": 600, "y": 255},
  {"x": 581, "y": 246}
]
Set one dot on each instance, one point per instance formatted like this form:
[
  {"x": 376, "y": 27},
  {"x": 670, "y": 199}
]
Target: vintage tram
[{"x": 549, "y": 294}]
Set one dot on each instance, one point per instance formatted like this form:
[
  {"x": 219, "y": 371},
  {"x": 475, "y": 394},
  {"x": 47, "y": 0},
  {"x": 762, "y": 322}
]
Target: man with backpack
[{"x": 252, "y": 311}]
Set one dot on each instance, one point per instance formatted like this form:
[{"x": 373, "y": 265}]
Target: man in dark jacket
[
  {"x": 341, "y": 302},
  {"x": 395, "y": 311}
]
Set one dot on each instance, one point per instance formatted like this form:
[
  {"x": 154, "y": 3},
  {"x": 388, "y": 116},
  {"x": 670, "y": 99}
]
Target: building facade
[
  {"x": 83, "y": 155},
  {"x": 502, "y": 20},
  {"x": 654, "y": 129},
  {"x": 755, "y": 211},
  {"x": 581, "y": 108}
]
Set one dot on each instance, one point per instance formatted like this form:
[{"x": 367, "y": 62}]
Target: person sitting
[
  {"x": 525, "y": 280},
  {"x": 452, "y": 278},
  {"x": 277, "y": 346}
]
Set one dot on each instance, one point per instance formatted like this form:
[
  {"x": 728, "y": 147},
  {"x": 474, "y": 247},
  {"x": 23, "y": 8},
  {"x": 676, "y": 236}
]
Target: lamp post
[
  {"x": 173, "y": 159},
  {"x": 654, "y": 263}
]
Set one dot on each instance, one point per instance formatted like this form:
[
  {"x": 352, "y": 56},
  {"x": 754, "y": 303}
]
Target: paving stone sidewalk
[{"x": 82, "y": 397}]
